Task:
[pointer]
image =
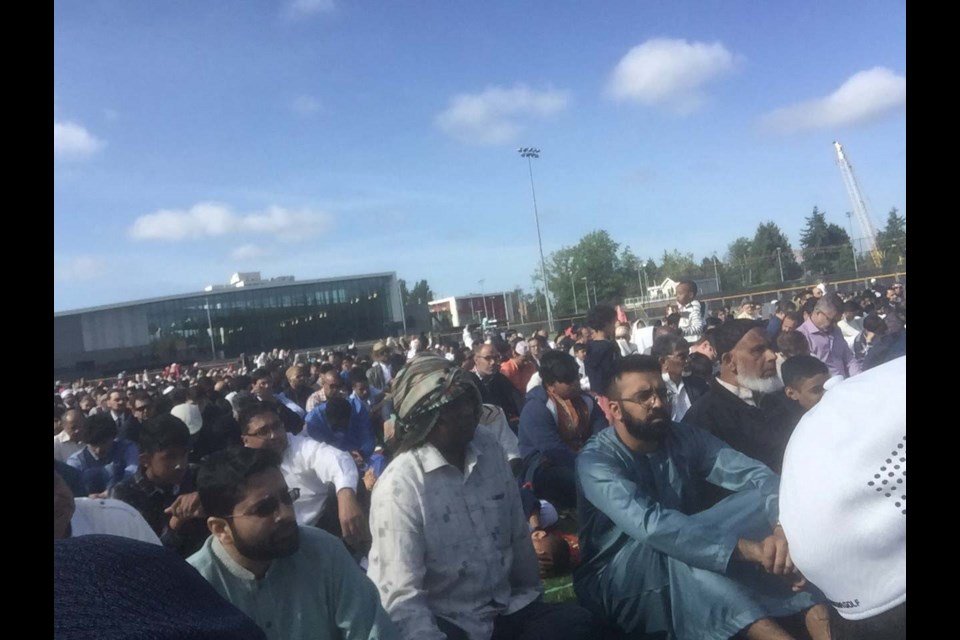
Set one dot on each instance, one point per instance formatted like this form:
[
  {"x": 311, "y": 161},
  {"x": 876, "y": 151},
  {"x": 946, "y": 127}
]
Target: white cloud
[
  {"x": 71, "y": 141},
  {"x": 306, "y": 105},
  {"x": 669, "y": 73},
  {"x": 78, "y": 268},
  {"x": 496, "y": 115},
  {"x": 299, "y": 8},
  {"x": 249, "y": 252},
  {"x": 865, "y": 96},
  {"x": 211, "y": 219}
]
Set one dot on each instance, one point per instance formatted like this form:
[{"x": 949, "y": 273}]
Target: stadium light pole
[{"x": 529, "y": 153}]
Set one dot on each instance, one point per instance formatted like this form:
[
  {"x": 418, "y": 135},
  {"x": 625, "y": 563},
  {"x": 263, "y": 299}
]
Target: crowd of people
[{"x": 425, "y": 487}]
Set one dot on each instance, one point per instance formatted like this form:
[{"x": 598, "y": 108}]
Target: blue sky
[{"x": 319, "y": 138}]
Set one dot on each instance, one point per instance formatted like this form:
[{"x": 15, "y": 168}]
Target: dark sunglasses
[{"x": 268, "y": 507}]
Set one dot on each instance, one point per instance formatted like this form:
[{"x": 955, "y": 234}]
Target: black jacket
[{"x": 496, "y": 389}]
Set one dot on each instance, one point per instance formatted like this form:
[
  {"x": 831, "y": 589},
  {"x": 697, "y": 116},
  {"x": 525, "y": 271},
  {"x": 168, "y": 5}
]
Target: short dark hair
[
  {"x": 260, "y": 374},
  {"x": 691, "y": 284},
  {"x": 666, "y": 344},
  {"x": 700, "y": 365},
  {"x": 579, "y": 346},
  {"x": 325, "y": 368},
  {"x": 542, "y": 341},
  {"x": 558, "y": 366},
  {"x": 98, "y": 429},
  {"x": 600, "y": 316},
  {"x": 795, "y": 316},
  {"x": 338, "y": 409},
  {"x": 809, "y": 305},
  {"x": 799, "y": 368},
  {"x": 357, "y": 376},
  {"x": 635, "y": 363},
  {"x": 874, "y": 323},
  {"x": 222, "y": 478},
  {"x": 672, "y": 320},
  {"x": 251, "y": 411},
  {"x": 163, "y": 432},
  {"x": 785, "y": 305},
  {"x": 792, "y": 344}
]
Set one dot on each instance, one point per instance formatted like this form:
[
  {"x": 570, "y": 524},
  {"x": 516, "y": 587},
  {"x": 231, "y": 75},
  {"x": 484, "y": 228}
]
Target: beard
[
  {"x": 282, "y": 542},
  {"x": 760, "y": 385},
  {"x": 654, "y": 428}
]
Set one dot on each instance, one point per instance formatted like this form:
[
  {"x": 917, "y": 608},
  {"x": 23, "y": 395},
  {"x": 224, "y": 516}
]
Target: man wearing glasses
[
  {"x": 313, "y": 468},
  {"x": 826, "y": 340},
  {"x": 649, "y": 562},
  {"x": 294, "y": 582},
  {"x": 494, "y": 386}
]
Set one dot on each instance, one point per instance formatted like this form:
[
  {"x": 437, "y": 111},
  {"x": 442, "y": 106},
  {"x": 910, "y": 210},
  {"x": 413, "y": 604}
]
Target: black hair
[
  {"x": 251, "y": 411},
  {"x": 691, "y": 284},
  {"x": 712, "y": 322},
  {"x": 163, "y": 432},
  {"x": 792, "y": 344},
  {"x": 58, "y": 411},
  {"x": 799, "y": 368},
  {"x": 700, "y": 365},
  {"x": 874, "y": 324},
  {"x": 601, "y": 316},
  {"x": 541, "y": 340},
  {"x": 97, "y": 429},
  {"x": 579, "y": 346},
  {"x": 558, "y": 366},
  {"x": 672, "y": 320},
  {"x": 357, "y": 376},
  {"x": 795, "y": 316},
  {"x": 666, "y": 344},
  {"x": 260, "y": 374},
  {"x": 785, "y": 305},
  {"x": 635, "y": 363},
  {"x": 338, "y": 409},
  {"x": 222, "y": 478},
  {"x": 809, "y": 305}
]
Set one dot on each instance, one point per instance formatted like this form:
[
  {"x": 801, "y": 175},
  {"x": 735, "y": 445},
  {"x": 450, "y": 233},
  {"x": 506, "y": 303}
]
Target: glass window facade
[{"x": 254, "y": 319}]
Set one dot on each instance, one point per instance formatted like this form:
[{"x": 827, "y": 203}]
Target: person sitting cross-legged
[{"x": 649, "y": 562}]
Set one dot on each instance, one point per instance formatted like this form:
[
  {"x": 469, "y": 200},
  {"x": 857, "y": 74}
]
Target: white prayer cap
[
  {"x": 843, "y": 493},
  {"x": 190, "y": 414}
]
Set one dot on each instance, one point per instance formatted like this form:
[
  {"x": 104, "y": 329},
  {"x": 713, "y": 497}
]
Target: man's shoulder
[{"x": 204, "y": 560}]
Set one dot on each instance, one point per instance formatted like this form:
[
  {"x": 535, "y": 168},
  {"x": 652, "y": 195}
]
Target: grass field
[{"x": 560, "y": 588}]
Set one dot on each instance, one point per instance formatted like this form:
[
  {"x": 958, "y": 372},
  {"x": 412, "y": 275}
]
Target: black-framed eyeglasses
[
  {"x": 646, "y": 397},
  {"x": 269, "y": 506},
  {"x": 143, "y": 407}
]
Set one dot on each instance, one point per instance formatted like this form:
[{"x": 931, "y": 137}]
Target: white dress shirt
[
  {"x": 451, "y": 544},
  {"x": 64, "y": 447},
  {"x": 679, "y": 400},
  {"x": 312, "y": 466},
  {"x": 494, "y": 421}
]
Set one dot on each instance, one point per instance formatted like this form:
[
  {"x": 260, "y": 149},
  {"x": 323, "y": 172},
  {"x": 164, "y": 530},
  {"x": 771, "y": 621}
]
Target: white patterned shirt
[{"x": 451, "y": 544}]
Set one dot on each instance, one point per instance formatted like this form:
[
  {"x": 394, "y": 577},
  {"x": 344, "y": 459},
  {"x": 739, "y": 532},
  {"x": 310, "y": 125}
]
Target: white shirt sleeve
[
  {"x": 496, "y": 423},
  {"x": 329, "y": 463}
]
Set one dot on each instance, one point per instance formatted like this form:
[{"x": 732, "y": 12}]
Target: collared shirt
[
  {"x": 100, "y": 475},
  {"x": 679, "y": 399},
  {"x": 850, "y": 330},
  {"x": 110, "y": 517},
  {"x": 518, "y": 376},
  {"x": 64, "y": 447},
  {"x": 831, "y": 349},
  {"x": 741, "y": 392},
  {"x": 318, "y": 592},
  {"x": 451, "y": 544},
  {"x": 312, "y": 466}
]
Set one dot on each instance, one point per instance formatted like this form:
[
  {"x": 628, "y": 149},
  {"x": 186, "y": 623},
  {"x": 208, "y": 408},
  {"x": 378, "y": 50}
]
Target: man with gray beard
[{"x": 741, "y": 407}]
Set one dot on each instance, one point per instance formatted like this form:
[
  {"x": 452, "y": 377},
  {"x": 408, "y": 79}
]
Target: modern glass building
[{"x": 225, "y": 322}]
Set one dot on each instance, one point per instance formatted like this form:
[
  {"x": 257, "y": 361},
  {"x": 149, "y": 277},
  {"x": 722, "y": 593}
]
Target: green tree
[
  {"x": 765, "y": 260},
  {"x": 738, "y": 255},
  {"x": 826, "y": 246},
  {"x": 678, "y": 266},
  {"x": 420, "y": 294},
  {"x": 892, "y": 241},
  {"x": 595, "y": 257}
]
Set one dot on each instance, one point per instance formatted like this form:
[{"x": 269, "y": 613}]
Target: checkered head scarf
[{"x": 427, "y": 383}]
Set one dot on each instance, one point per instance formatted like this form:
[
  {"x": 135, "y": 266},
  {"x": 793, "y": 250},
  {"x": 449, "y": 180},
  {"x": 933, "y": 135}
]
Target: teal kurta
[
  {"x": 319, "y": 592},
  {"x": 649, "y": 563}
]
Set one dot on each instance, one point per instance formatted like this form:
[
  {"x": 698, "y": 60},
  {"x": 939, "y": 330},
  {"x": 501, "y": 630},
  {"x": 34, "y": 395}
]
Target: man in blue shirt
[
  {"x": 105, "y": 460},
  {"x": 650, "y": 564},
  {"x": 345, "y": 425}
]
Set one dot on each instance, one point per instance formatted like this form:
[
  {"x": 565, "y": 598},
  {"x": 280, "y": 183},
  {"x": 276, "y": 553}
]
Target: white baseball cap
[{"x": 843, "y": 493}]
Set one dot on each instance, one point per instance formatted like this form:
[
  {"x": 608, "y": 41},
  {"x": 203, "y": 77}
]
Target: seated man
[
  {"x": 317, "y": 470},
  {"x": 556, "y": 421},
  {"x": 82, "y": 516},
  {"x": 452, "y": 553},
  {"x": 673, "y": 352},
  {"x": 67, "y": 442},
  {"x": 298, "y": 391},
  {"x": 106, "y": 459},
  {"x": 649, "y": 563},
  {"x": 345, "y": 425},
  {"x": 163, "y": 488},
  {"x": 295, "y": 582},
  {"x": 803, "y": 380}
]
